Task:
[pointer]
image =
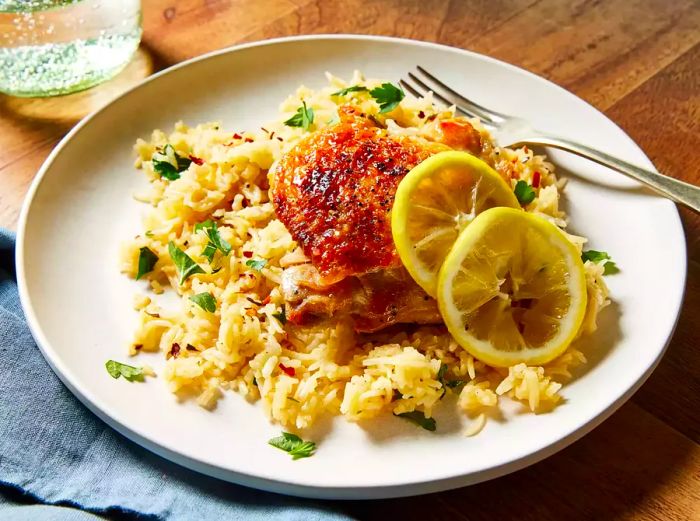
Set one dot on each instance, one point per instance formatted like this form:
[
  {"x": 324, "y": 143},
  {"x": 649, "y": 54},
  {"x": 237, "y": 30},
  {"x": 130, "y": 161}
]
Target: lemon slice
[
  {"x": 435, "y": 202},
  {"x": 512, "y": 289}
]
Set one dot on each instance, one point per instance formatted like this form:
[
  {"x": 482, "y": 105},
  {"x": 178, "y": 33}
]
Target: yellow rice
[{"x": 242, "y": 346}]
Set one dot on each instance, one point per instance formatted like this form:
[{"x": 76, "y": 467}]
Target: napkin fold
[{"x": 60, "y": 462}]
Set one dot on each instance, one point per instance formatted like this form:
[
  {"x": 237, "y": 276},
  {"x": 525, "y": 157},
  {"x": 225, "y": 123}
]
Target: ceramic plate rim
[{"x": 408, "y": 486}]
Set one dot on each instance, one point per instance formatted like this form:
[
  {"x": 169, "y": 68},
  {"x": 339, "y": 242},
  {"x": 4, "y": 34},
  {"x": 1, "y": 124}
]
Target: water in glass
[{"x": 51, "y": 47}]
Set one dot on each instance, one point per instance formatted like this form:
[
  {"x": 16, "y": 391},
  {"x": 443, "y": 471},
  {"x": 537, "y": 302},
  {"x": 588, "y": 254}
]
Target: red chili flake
[
  {"x": 190, "y": 347},
  {"x": 196, "y": 160},
  {"x": 266, "y": 300},
  {"x": 138, "y": 347},
  {"x": 279, "y": 139},
  {"x": 248, "y": 140},
  {"x": 247, "y": 254},
  {"x": 421, "y": 114},
  {"x": 237, "y": 136},
  {"x": 536, "y": 180},
  {"x": 175, "y": 350},
  {"x": 432, "y": 117},
  {"x": 289, "y": 371}
]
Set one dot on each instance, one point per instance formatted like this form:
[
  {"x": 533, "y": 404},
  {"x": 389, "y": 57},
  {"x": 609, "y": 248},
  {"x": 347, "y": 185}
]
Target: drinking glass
[{"x": 52, "y": 47}]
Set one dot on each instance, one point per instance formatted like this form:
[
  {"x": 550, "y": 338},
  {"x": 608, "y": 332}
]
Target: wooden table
[{"x": 636, "y": 60}]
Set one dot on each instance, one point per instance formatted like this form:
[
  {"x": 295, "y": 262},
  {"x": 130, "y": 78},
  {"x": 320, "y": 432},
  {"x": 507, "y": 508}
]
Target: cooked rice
[{"x": 243, "y": 347}]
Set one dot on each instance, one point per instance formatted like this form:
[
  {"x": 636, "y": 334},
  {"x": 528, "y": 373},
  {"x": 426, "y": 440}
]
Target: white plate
[{"x": 79, "y": 306}]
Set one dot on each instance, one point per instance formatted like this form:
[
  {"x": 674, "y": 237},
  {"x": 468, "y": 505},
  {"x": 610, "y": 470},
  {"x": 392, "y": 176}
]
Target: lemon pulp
[{"x": 512, "y": 289}]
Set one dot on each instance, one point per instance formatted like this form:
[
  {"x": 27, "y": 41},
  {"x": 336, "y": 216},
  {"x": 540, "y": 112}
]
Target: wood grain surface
[{"x": 636, "y": 60}]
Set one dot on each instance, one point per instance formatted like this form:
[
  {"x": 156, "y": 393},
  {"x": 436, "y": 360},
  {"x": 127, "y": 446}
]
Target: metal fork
[{"x": 511, "y": 131}]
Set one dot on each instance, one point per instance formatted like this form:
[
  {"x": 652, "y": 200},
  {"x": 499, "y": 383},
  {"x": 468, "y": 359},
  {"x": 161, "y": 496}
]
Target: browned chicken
[{"x": 334, "y": 192}]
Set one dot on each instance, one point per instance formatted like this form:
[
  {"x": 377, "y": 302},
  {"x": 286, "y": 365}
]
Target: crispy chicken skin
[{"x": 334, "y": 191}]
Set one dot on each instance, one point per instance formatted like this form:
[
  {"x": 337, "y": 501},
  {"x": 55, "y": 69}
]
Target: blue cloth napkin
[{"x": 60, "y": 462}]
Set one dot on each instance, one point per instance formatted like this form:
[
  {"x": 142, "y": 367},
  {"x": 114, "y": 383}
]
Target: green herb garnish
[
  {"x": 524, "y": 192},
  {"x": 348, "y": 90},
  {"x": 441, "y": 373},
  {"x": 205, "y": 300},
  {"x": 183, "y": 262},
  {"x": 281, "y": 316},
  {"x": 215, "y": 240},
  {"x": 419, "y": 419},
  {"x": 169, "y": 164},
  {"x": 257, "y": 265},
  {"x": 129, "y": 372},
  {"x": 388, "y": 96},
  {"x": 609, "y": 268},
  {"x": 452, "y": 384},
  {"x": 147, "y": 259},
  {"x": 303, "y": 118},
  {"x": 294, "y": 445},
  {"x": 455, "y": 384}
]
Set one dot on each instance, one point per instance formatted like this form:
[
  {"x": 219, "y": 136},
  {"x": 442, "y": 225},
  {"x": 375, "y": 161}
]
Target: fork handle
[{"x": 678, "y": 191}]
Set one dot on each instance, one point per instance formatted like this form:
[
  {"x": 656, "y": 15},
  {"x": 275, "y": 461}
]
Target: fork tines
[{"x": 427, "y": 82}]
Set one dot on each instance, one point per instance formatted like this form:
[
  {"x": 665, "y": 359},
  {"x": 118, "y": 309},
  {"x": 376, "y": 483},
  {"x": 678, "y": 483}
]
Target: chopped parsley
[
  {"x": 609, "y": 268},
  {"x": 303, "y": 118},
  {"x": 388, "y": 96},
  {"x": 348, "y": 90},
  {"x": 183, "y": 262},
  {"x": 294, "y": 445},
  {"x": 419, "y": 419},
  {"x": 169, "y": 164},
  {"x": 452, "y": 384},
  {"x": 205, "y": 300},
  {"x": 215, "y": 240},
  {"x": 257, "y": 265},
  {"x": 281, "y": 316},
  {"x": 524, "y": 192},
  {"x": 441, "y": 373},
  {"x": 147, "y": 259},
  {"x": 129, "y": 372}
]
